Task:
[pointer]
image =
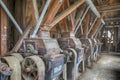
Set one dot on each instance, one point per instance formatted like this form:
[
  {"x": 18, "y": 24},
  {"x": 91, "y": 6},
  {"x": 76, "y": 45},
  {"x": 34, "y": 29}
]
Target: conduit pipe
[
  {"x": 98, "y": 30},
  {"x": 40, "y": 19},
  {"x": 11, "y": 17},
  {"x": 93, "y": 8},
  {"x": 82, "y": 19},
  {"x": 92, "y": 25},
  {"x": 95, "y": 11}
]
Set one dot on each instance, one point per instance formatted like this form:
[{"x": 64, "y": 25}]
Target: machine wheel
[
  {"x": 14, "y": 64},
  {"x": 89, "y": 62},
  {"x": 81, "y": 67},
  {"x": 33, "y": 68},
  {"x": 95, "y": 58},
  {"x": 18, "y": 56},
  {"x": 74, "y": 53}
]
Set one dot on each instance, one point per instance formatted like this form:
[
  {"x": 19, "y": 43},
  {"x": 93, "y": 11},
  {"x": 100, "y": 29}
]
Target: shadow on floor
[
  {"x": 117, "y": 74},
  {"x": 107, "y": 68}
]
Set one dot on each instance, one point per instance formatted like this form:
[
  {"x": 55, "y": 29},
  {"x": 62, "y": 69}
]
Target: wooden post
[
  {"x": 64, "y": 21},
  {"x": 71, "y": 17},
  {"x": 3, "y": 31}
]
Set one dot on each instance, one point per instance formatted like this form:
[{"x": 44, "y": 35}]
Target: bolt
[{"x": 28, "y": 70}]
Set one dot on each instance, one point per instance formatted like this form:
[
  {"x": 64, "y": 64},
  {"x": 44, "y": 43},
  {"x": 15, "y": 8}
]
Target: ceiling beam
[
  {"x": 66, "y": 13},
  {"x": 52, "y": 11},
  {"x": 112, "y": 19},
  {"x": 111, "y": 26},
  {"x": 108, "y": 8}
]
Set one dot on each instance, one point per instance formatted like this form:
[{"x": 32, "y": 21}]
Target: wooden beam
[
  {"x": 110, "y": 26},
  {"x": 87, "y": 22},
  {"x": 71, "y": 18},
  {"x": 31, "y": 12},
  {"x": 64, "y": 25},
  {"x": 66, "y": 13},
  {"x": 52, "y": 11},
  {"x": 35, "y": 13},
  {"x": 112, "y": 19},
  {"x": 3, "y": 32},
  {"x": 80, "y": 13},
  {"x": 20, "y": 41},
  {"x": 64, "y": 21},
  {"x": 108, "y": 8},
  {"x": 95, "y": 27}
]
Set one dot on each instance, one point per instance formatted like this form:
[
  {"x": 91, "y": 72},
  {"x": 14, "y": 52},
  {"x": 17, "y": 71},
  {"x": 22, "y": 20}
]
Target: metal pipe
[
  {"x": 40, "y": 19},
  {"x": 82, "y": 19},
  {"x": 93, "y": 8},
  {"x": 92, "y": 25},
  {"x": 103, "y": 21},
  {"x": 11, "y": 17},
  {"x": 98, "y": 30}
]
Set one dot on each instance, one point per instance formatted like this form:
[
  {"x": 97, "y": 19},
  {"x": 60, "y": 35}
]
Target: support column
[{"x": 3, "y": 32}]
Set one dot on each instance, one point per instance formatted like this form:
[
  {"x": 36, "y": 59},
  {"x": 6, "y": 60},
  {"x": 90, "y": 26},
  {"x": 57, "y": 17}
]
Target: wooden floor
[{"x": 107, "y": 68}]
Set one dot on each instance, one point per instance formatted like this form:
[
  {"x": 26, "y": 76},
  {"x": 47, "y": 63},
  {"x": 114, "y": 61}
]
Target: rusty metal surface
[
  {"x": 44, "y": 46},
  {"x": 48, "y": 50},
  {"x": 68, "y": 41},
  {"x": 72, "y": 68},
  {"x": 5, "y": 71},
  {"x": 87, "y": 46}
]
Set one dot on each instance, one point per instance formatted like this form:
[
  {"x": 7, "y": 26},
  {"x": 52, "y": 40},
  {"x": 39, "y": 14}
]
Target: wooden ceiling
[{"x": 111, "y": 8}]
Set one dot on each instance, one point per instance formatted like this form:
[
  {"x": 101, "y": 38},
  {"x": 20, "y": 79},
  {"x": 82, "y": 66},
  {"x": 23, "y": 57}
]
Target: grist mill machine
[
  {"x": 72, "y": 45},
  {"x": 5, "y": 71},
  {"x": 87, "y": 44},
  {"x": 36, "y": 57},
  {"x": 45, "y": 59},
  {"x": 95, "y": 49}
]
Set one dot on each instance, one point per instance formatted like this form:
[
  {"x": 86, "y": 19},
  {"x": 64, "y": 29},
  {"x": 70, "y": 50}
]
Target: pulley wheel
[
  {"x": 18, "y": 56},
  {"x": 33, "y": 68},
  {"x": 14, "y": 64}
]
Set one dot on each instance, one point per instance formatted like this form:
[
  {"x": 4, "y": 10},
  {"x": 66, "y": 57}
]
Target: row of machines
[{"x": 45, "y": 58}]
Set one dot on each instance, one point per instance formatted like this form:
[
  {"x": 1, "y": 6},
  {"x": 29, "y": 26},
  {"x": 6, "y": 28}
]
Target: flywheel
[
  {"x": 33, "y": 68},
  {"x": 14, "y": 64}
]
